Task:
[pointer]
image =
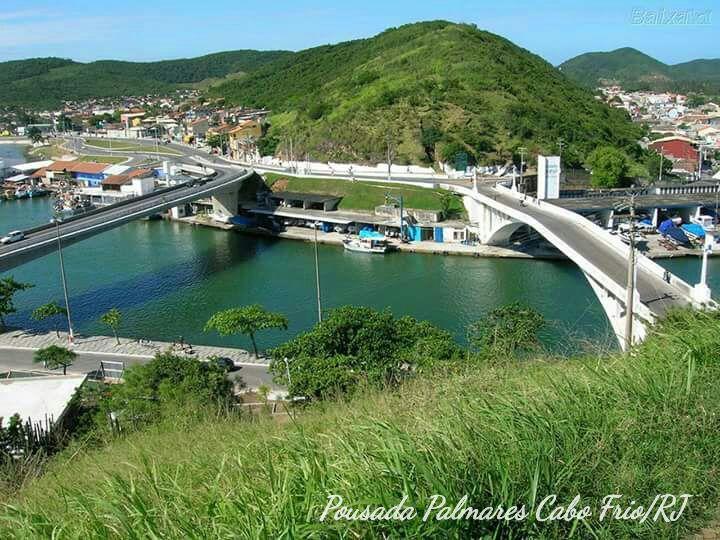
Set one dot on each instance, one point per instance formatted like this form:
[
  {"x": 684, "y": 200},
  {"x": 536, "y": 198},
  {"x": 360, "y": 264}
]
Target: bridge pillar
[
  {"x": 226, "y": 203},
  {"x": 494, "y": 227},
  {"x": 617, "y": 313}
]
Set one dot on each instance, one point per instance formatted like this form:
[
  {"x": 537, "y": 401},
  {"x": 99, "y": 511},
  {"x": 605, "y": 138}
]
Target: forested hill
[
  {"x": 635, "y": 70},
  {"x": 46, "y": 82},
  {"x": 434, "y": 88}
]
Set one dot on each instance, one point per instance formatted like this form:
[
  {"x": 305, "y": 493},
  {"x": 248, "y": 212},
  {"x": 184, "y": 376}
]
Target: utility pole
[
  {"x": 630, "y": 295},
  {"x": 561, "y": 143},
  {"x": 317, "y": 279},
  {"x": 522, "y": 151},
  {"x": 662, "y": 162},
  {"x": 71, "y": 336}
]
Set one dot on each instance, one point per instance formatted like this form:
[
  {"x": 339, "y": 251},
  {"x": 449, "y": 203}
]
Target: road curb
[{"x": 129, "y": 355}]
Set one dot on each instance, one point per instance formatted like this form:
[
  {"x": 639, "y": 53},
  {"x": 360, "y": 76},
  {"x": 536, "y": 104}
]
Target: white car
[{"x": 11, "y": 237}]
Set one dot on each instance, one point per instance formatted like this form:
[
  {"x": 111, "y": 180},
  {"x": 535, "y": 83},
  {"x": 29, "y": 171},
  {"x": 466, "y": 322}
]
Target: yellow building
[{"x": 242, "y": 139}]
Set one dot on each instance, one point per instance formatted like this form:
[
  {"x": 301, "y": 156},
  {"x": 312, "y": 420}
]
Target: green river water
[{"x": 168, "y": 278}]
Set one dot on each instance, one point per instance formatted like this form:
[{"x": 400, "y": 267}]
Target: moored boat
[{"x": 367, "y": 242}]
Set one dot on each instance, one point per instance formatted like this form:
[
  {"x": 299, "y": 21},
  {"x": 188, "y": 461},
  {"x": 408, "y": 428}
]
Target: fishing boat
[{"x": 367, "y": 242}]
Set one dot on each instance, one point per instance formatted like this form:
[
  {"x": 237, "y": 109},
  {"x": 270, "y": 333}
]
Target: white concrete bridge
[{"x": 602, "y": 257}]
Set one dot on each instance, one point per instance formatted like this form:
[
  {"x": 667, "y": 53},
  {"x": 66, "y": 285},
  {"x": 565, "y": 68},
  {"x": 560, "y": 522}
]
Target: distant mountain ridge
[
  {"x": 46, "y": 82},
  {"x": 636, "y": 70}
]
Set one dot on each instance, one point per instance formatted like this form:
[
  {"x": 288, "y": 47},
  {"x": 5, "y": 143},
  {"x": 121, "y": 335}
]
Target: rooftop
[
  {"x": 38, "y": 398},
  {"x": 305, "y": 197}
]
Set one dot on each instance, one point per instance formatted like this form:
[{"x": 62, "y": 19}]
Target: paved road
[
  {"x": 16, "y": 359},
  {"x": 41, "y": 242},
  {"x": 655, "y": 293}
]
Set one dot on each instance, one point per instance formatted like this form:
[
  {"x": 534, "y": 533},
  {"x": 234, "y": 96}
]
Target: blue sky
[{"x": 157, "y": 29}]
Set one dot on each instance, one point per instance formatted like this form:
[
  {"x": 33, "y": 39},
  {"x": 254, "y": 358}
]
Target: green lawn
[
  {"x": 365, "y": 196},
  {"x": 123, "y": 146},
  {"x": 104, "y": 159}
]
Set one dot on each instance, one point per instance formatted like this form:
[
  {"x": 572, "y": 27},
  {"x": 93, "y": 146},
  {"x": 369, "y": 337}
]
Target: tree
[
  {"x": 54, "y": 357},
  {"x": 246, "y": 320},
  {"x": 8, "y": 288},
  {"x": 354, "y": 344},
  {"x": 35, "y": 134},
  {"x": 112, "y": 319},
  {"x": 165, "y": 384},
  {"x": 46, "y": 311},
  {"x": 506, "y": 331},
  {"x": 652, "y": 162},
  {"x": 609, "y": 166}
]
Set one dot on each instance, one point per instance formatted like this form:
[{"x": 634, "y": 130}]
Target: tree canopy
[
  {"x": 609, "y": 167},
  {"x": 246, "y": 320},
  {"x": 355, "y": 344}
]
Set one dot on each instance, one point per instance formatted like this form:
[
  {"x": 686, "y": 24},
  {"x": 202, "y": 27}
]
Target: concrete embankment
[
  {"x": 432, "y": 248},
  {"x": 107, "y": 345}
]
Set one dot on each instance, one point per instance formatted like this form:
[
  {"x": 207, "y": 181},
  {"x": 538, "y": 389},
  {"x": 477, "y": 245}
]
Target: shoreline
[{"x": 429, "y": 248}]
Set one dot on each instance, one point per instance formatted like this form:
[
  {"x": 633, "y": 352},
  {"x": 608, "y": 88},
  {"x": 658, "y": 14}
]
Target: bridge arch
[{"x": 502, "y": 234}]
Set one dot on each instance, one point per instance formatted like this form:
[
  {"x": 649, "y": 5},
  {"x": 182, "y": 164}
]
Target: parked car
[
  {"x": 224, "y": 363},
  {"x": 11, "y": 237}
]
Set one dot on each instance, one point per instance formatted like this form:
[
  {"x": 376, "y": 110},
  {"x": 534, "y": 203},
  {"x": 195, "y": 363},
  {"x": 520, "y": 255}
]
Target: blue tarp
[
  {"x": 665, "y": 226},
  {"x": 678, "y": 235},
  {"x": 694, "y": 229},
  {"x": 370, "y": 234}
]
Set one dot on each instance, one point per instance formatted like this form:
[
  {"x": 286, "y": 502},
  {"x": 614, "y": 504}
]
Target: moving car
[{"x": 11, "y": 237}]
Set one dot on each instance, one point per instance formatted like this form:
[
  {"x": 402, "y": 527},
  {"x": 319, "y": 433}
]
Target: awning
[{"x": 16, "y": 178}]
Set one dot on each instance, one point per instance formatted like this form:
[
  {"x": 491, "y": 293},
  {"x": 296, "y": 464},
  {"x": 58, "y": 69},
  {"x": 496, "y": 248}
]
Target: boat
[
  {"x": 638, "y": 237},
  {"x": 367, "y": 242},
  {"x": 677, "y": 236},
  {"x": 21, "y": 193},
  {"x": 694, "y": 231}
]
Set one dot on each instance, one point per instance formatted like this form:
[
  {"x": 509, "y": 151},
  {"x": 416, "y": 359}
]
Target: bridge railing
[
  {"x": 94, "y": 211},
  {"x": 610, "y": 240}
]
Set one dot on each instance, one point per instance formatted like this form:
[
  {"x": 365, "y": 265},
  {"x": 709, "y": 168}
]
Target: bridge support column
[
  {"x": 494, "y": 227},
  {"x": 617, "y": 313},
  {"x": 225, "y": 204}
]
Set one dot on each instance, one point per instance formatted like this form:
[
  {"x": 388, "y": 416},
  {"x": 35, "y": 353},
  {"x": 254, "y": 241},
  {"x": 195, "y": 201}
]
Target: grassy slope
[
  {"x": 477, "y": 90},
  {"x": 366, "y": 195},
  {"x": 637, "y": 426},
  {"x": 46, "y": 82}
]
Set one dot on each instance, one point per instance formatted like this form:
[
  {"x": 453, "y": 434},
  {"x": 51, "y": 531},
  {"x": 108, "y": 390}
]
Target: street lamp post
[
  {"x": 71, "y": 336},
  {"x": 317, "y": 278},
  {"x": 522, "y": 151}
]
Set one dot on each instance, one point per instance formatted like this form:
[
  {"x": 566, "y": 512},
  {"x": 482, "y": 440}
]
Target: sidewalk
[{"x": 29, "y": 340}]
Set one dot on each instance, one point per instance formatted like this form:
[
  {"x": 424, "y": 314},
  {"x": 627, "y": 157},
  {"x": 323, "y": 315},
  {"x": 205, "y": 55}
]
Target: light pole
[
  {"x": 71, "y": 336},
  {"x": 317, "y": 281},
  {"x": 522, "y": 151},
  {"x": 630, "y": 293}
]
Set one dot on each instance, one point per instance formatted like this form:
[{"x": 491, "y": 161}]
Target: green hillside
[
  {"x": 46, "y": 82},
  {"x": 510, "y": 433},
  {"x": 436, "y": 88},
  {"x": 635, "y": 70}
]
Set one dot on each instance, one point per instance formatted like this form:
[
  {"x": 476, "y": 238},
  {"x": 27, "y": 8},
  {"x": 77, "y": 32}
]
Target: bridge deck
[
  {"x": 658, "y": 295},
  {"x": 40, "y": 242}
]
